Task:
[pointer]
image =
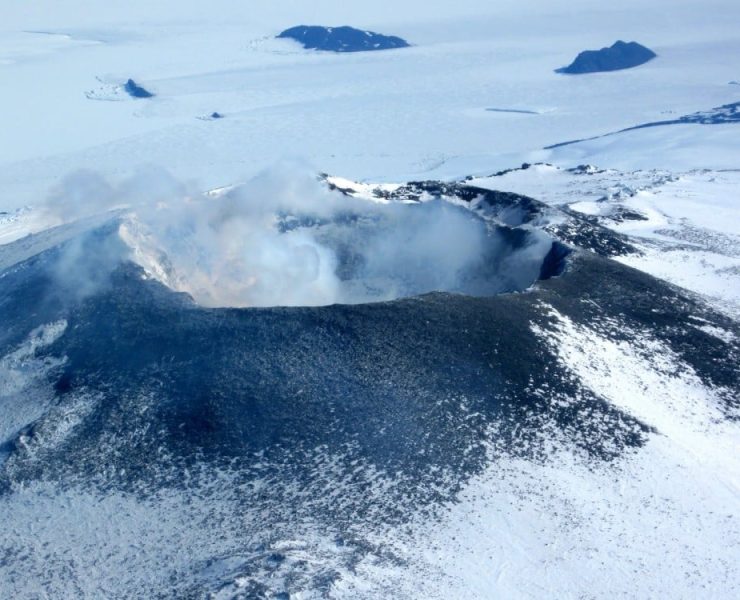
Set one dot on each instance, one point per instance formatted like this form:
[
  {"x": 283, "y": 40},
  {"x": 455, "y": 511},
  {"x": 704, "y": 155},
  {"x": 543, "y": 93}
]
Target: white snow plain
[{"x": 385, "y": 116}]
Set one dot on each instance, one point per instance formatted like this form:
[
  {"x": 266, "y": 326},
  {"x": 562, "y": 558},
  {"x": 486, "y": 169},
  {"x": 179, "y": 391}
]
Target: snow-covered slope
[{"x": 685, "y": 224}]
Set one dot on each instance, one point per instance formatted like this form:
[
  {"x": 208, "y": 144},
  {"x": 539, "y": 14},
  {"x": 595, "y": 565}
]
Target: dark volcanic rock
[
  {"x": 136, "y": 91},
  {"x": 622, "y": 55},
  {"x": 341, "y": 39}
]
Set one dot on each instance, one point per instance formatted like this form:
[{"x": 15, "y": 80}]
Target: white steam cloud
[{"x": 285, "y": 239}]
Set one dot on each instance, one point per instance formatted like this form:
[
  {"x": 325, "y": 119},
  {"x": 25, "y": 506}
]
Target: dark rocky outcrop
[
  {"x": 622, "y": 55},
  {"x": 341, "y": 39},
  {"x": 135, "y": 90}
]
